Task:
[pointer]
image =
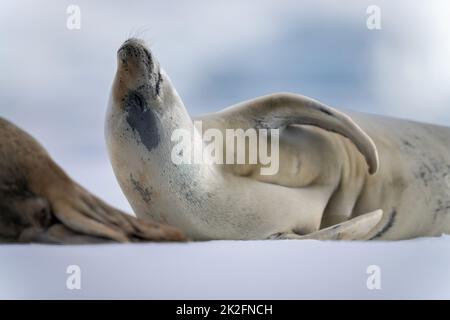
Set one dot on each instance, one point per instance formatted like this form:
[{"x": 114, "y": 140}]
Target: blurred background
[{"x": 55, "y": 82}]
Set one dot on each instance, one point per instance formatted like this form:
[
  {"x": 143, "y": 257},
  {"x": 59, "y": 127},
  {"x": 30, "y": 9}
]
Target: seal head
[{"x": 138, "y": 70}]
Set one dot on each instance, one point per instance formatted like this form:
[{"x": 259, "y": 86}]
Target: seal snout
[
  {"x": 138, "y": 69},
  {"x": 134, "y": 51}
]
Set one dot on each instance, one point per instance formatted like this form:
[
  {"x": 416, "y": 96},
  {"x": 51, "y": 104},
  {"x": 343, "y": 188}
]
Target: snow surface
[{"x": 279, "y": 269}]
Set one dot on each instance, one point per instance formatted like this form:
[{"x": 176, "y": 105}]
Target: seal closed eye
[{"x": 141, "y": 119}]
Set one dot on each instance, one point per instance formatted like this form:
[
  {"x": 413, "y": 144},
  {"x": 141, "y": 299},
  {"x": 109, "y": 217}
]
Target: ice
[{"x": 275, "y": 269}]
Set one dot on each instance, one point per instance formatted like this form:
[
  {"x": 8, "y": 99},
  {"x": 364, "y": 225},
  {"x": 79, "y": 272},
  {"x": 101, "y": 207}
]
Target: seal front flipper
[
  {"x": 58, "y": 234},
  {"x": 355, "y": 229},
  {"x": 36, "y": 194},
  {"x": 280, "y": 110},
  {"x": 85, "y": 213}
]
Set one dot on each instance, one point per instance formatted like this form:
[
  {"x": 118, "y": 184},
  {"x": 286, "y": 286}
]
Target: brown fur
[{"x": 39, "y": 202}]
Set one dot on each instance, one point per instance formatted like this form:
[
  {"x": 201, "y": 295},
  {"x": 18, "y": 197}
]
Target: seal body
[
  {"x": 334, "y": 166},
  {"x": 39, "y": 202},
  {"x": 412, "y": 185}
]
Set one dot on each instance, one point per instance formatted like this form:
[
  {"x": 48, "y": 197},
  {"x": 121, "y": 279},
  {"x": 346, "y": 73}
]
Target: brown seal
[{"x": 39, "y": 202}]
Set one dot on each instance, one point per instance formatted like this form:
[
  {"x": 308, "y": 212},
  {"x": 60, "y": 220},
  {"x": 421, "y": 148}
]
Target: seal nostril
[
  {"x": 136, "y": 51},
  {"x": 132, "y": 45}
]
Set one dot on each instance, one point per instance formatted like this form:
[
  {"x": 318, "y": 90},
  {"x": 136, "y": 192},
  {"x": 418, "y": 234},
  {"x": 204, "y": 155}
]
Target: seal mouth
[
  {"x": 140, "y": 66},
  {"x": 135, "y": 51},
  {"x": 132, "y": 45}
]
